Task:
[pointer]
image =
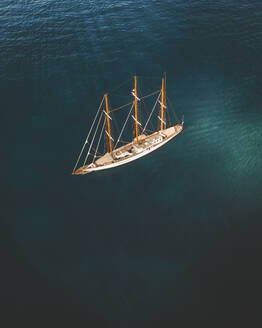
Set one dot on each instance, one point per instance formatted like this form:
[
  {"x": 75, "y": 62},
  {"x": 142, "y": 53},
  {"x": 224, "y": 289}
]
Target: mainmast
[
  {"x": 136, "y": 118},
  {"x": 108, "y": 124},
  {"x": 163, "y": 102}
]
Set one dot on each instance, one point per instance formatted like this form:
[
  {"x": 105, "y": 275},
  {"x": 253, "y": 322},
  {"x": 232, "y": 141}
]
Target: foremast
[
  {"x": 163, "y": 103},
  {"x": 136, "y": 116},
  {"x": 108, "y": 124}
]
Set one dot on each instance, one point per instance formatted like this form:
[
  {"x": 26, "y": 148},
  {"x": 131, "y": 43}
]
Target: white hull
[{"x": 152, "y": 148}]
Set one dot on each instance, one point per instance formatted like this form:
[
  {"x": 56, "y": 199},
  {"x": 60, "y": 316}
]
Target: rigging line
[
  {"x": 147, "y": 130},
  {"x": 94, "y": 119},
  {"x": 151, "y": 94},
  {"x": 151, "y": 112},
  {"x": 101, "y": 133},
  {"x": 93, "y": 137},
  {"x": 117, "y": 108},
  {"x": 124, "y": 125},
  {"x": 88, "y": 135},
  {"x": 173, "y": 110},
  {"x": 93, "y": 149},
  {"x": 116, "y": 88},
  {"x": 146, "y": 112},
  {"x": 115, "y": 125},
  {"x": 124, "y": 142},
  {"x": 169, "y": 119},
  {"x": 148, "y": 77},
  {"x": 105, "y": 145},
  {"x": 141, "y": 103},
  {"x": 92, "y": 154}
]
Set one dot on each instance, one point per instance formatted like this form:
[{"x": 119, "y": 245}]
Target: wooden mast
[
  {"x": 136, "y": 118},
  {"x": 108, "y": 124},
  {"x": 163, "y": 101}
]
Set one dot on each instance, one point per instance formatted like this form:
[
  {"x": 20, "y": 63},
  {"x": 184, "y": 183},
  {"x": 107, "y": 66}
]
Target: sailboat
[{"x": 143, "y": 140}]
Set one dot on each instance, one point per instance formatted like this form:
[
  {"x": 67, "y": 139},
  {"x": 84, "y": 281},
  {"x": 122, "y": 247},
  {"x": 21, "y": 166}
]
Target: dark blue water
[{"x": 172, "y": 238}]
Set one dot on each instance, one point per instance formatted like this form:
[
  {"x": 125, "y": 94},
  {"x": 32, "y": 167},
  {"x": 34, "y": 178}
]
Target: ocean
[{"x": 173, "y": 238}]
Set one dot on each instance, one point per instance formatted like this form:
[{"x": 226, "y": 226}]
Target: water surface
[{"x": 174, "y": 236}]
